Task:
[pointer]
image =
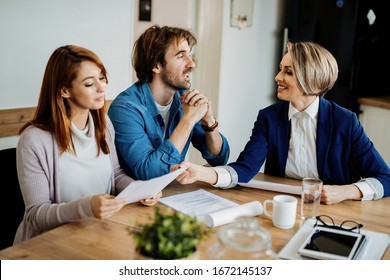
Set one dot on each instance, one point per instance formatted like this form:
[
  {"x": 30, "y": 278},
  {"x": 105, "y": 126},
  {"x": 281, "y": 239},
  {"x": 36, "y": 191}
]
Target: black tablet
[{"x": 331, "y": 244}]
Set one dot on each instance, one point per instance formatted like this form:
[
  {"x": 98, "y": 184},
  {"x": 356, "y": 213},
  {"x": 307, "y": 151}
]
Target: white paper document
[
  {"x": 209, "y": 208},
  {"x": 268, "y": 186},
  {"x": 139, "y": 189}
]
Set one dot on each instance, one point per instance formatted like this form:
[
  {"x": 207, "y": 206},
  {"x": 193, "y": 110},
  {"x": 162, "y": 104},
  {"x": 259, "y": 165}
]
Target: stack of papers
[{"x": 211, "y": 209}]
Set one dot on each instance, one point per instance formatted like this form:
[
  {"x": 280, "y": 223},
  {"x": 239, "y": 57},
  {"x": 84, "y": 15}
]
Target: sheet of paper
[
  {"x": 272, "y": 187},
  {"x": 209, "y": 208},
  {"x": 138, "y": 190},
  {"x": 197, "y": 203}
]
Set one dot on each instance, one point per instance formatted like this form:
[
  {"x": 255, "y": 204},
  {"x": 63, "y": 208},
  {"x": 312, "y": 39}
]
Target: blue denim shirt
[{"x": 139, "y": 135}]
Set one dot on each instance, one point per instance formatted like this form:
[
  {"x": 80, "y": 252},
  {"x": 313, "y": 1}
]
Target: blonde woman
[{"x": 305, "y": 135}]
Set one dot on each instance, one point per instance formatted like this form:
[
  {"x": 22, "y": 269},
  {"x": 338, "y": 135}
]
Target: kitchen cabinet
[{"x": 375, "y": 118}]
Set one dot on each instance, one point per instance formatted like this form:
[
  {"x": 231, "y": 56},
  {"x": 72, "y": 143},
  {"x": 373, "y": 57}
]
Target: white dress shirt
[{"x": 302, "y": 156}]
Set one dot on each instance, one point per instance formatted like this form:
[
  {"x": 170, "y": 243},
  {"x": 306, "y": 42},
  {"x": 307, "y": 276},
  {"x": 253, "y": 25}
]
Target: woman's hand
[
  {"x": 151, "y": 201},
  {"x": 195, "y": 172},
  {"x": 332, "y": 194},
  {"x": 105, "y": 205}
]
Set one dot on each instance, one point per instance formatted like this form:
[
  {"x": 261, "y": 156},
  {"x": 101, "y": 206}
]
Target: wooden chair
[{"x": 12, "y": 206}]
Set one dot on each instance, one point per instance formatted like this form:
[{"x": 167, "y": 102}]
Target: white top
[
  {"x": 302, "y": 156},
  {"x": 85, "y": 174},
  {"x": 164, "y": 112}
]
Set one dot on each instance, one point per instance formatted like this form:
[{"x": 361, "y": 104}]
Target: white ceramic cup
[{"x": 283, "y": 211}]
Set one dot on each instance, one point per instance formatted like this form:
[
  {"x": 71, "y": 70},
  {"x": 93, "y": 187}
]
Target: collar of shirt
[{"x": 311, "y": 110}]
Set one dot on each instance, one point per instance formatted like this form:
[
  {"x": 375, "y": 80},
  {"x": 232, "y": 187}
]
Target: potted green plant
[{"x": 169, "y": 235}]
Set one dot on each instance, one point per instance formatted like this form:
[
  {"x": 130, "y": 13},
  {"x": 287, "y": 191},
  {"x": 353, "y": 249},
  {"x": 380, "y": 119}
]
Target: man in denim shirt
[{"x": 158, "y": 117}]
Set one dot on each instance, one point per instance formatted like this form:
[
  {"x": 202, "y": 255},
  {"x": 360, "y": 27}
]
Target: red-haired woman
[{"x": 66, "y": 159}]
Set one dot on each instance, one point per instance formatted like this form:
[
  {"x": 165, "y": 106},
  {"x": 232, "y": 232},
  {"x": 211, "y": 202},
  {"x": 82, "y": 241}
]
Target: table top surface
[{"x": 109, "y": 239}]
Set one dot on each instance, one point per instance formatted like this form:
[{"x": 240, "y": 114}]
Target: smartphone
[{"x": 331, "y": 244}]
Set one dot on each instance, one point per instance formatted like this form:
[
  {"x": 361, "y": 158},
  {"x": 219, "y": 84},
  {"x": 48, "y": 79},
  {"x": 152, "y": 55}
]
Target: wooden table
[{"x": 108, "y": 239}]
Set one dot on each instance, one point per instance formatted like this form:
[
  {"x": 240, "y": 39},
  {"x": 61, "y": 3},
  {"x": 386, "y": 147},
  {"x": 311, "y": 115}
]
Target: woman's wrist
[
  {"x": 354, "y": 192},
  {"x": 209, "y": 175}
]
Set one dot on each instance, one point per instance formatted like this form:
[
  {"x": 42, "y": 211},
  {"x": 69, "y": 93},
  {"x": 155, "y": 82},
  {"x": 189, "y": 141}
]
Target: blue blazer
[{"x": 344, "y": 152}]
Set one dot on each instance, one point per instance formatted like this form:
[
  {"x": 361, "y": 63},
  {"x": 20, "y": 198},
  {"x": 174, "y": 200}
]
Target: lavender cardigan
[{"x": 38, "y": 173}]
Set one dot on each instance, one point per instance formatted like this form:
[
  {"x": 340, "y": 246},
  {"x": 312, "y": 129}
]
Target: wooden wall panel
[{"x": 11, "y": 120}]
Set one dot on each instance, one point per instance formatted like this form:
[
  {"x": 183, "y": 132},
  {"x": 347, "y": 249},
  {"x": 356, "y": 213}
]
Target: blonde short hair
[{"x": 314, "y": 66}]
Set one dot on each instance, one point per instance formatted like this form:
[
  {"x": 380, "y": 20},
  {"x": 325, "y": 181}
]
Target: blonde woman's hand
[
  {"x": 195, "y": 172},
  {"x": 151, "y": 201},
  {"x": 332, "y": 194}
]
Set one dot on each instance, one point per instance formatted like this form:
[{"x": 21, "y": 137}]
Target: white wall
[{"x": 249, "y": 62}]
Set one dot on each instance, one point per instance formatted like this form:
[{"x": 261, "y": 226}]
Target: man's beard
[{"x": 171, "y": 81}]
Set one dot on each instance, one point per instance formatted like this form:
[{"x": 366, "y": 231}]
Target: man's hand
[{"x": 196, "y": 106}]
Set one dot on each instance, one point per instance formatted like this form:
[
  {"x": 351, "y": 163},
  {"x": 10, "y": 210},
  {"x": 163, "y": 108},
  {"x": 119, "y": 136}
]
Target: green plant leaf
[{"x": 169, "y": 235}]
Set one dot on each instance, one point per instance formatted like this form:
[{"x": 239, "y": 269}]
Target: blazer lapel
[
  {"x": 283, "y": 136},
  {"x": 324, "y": 132}
]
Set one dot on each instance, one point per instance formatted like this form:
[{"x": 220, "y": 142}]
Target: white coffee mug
[{"x": 283, "y": 211}]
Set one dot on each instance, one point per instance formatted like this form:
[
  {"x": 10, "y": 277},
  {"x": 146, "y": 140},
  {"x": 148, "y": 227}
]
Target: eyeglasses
[{"x": 348, "y": 225}]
